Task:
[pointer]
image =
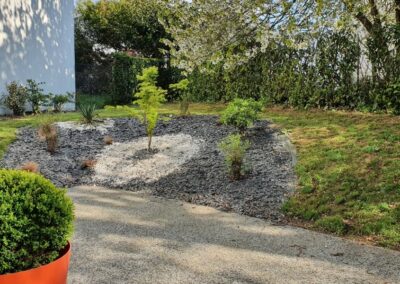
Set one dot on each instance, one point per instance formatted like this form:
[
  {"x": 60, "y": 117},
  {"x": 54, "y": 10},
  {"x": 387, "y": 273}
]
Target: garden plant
[
  {"x": 149, "y": 99},
  {"x": 88, "y": 111},
  {"x": 15, "y": 98},
  {"x": 36, "y": 221},
  {"x": 184, "y": 95},
  {"x": 234, "y": 148},
  {"x": 35, "y": 95},
  {"x": 48, "y": 132},
  {"x": 241, "y": 113},
  {"x": 58, "y": 101}
]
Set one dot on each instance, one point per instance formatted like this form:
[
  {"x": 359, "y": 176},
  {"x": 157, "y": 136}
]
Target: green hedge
[
  {"x": 124, "y": 71},
  {"x": 126, "y": 68},
  {"x": 36, "y": 221}
]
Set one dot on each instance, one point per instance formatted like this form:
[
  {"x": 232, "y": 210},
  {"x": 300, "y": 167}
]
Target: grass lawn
[{"x": 348, "y": 168}]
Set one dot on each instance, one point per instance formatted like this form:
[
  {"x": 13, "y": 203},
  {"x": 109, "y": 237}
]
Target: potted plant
[{"x": 36, "y": 223}]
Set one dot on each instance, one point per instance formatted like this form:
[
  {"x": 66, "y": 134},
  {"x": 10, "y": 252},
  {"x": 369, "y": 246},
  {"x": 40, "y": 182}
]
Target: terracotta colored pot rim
[{"x": 63, "y": 253}]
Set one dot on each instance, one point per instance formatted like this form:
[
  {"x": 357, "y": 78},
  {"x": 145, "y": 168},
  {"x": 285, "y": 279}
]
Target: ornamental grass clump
[
  {"x": 149, "y": 99},
  {"x": 234, "y": 149},
  {"x": 241, "y": 113},
  {"x": 48, "y": 132},
  {"x": 36, "y": 221},
  {"x": 88, "y": 112},
  {"x": 30, "y": 166}
]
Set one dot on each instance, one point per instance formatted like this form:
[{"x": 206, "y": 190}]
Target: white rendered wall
[{"x": 37, "y": 42}]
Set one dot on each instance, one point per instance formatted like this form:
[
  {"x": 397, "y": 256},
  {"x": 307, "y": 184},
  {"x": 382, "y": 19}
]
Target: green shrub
[
  {"x": 332, "y": 224},
  {"x": 35, "y": 95},
  {"x": 15, "y": 98},
  {"x": 234, "y": 149},
  {"x": 241, "y": 113},
  {"x": 58, "y": 101},
  {"x": 150, "y": 97},
  {"x": 88, "y": 112},
  {"x": 182, "y": 89},
  {"x": 36, "y": 221},
  {"x": 392, "y": 97}
]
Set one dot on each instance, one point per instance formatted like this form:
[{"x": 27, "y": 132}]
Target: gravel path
[
  {"x": 189, "y": 168},
  {"x": 134, "y": 237}
]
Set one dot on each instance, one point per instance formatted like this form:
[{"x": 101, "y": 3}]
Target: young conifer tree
[{"x": 149, "y": 99}]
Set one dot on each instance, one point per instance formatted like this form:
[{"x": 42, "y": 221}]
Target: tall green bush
[{"x": 36, "y": 221}]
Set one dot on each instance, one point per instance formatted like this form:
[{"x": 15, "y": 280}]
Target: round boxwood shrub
[{"x": 36, "y": 221}]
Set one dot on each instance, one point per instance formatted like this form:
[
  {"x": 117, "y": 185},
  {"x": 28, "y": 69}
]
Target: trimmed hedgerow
[{"x": 36, "y": 221}]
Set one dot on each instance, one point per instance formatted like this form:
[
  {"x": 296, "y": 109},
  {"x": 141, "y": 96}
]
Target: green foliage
[
  {"x": 149, "y": 98},
  {"x": 35, "y": 95},
  {"x": 241, "y": 113},
  {"x": 392, "y": 97},
  {"x": 234, "y": 148},
  {"x": 124, "y": 73},
  {"x": 124, "y": 25},
  {"x": 88, "y": 111},
  {"x": 58, "y": 101},
  {"x": 36, "y": 221},
  {"x": 15, "y": 98},
  {"x": 332, "y": 224},
  {"x": 182, "y": 89}
]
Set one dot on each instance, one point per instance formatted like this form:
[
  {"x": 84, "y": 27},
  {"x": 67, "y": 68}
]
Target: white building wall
[{"x": 37, "y": 42}]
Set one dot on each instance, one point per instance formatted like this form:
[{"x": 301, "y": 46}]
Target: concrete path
[{"x": 125, "y": 237}]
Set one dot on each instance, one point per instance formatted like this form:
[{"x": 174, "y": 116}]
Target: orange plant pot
[{"x": 53, "y": 273}]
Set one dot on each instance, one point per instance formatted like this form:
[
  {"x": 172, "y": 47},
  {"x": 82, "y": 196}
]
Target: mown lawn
[{"x": 348, "y": 168}]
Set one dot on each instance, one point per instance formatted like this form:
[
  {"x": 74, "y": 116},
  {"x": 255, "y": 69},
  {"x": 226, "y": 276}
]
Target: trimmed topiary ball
[{"x": 36, "y": 221}]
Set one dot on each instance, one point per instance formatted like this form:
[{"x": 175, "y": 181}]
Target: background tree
[{"x": 124, "y": 25}]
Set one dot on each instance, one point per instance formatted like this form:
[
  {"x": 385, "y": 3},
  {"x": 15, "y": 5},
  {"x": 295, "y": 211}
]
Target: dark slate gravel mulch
[{"x": 202, "y": 180}]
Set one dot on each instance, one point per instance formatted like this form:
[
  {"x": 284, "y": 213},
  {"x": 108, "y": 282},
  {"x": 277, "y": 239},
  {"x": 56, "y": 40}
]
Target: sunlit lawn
[{"x": 348, "y": 167}]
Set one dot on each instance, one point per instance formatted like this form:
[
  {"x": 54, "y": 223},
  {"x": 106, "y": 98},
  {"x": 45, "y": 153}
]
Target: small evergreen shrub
[
  {"x": 182, "y": 89},
  {"x": 150, "y": 97},
  {"x": 15, "y": 98},
  {"x": 35, "y": 95},
  {"x": 241, "y": 113},
  {"x": 88, "y": 112},
  {"x": 58, "y": 101},
  {"x": 234, "y": 150},
  {"x": 36, "y": 221}
]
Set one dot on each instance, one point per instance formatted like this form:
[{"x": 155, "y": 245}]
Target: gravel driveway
[{"x": 133, "y": 237}]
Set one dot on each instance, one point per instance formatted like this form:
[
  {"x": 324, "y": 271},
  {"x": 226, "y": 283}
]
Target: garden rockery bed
[{"x": 185, "y": 163}]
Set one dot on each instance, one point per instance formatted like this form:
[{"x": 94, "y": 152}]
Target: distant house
[{"x": 37, "y": 42}]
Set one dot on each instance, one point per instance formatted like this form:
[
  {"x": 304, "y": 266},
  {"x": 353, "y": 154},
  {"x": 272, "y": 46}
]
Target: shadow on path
[{"x": 127, "y": 237}]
